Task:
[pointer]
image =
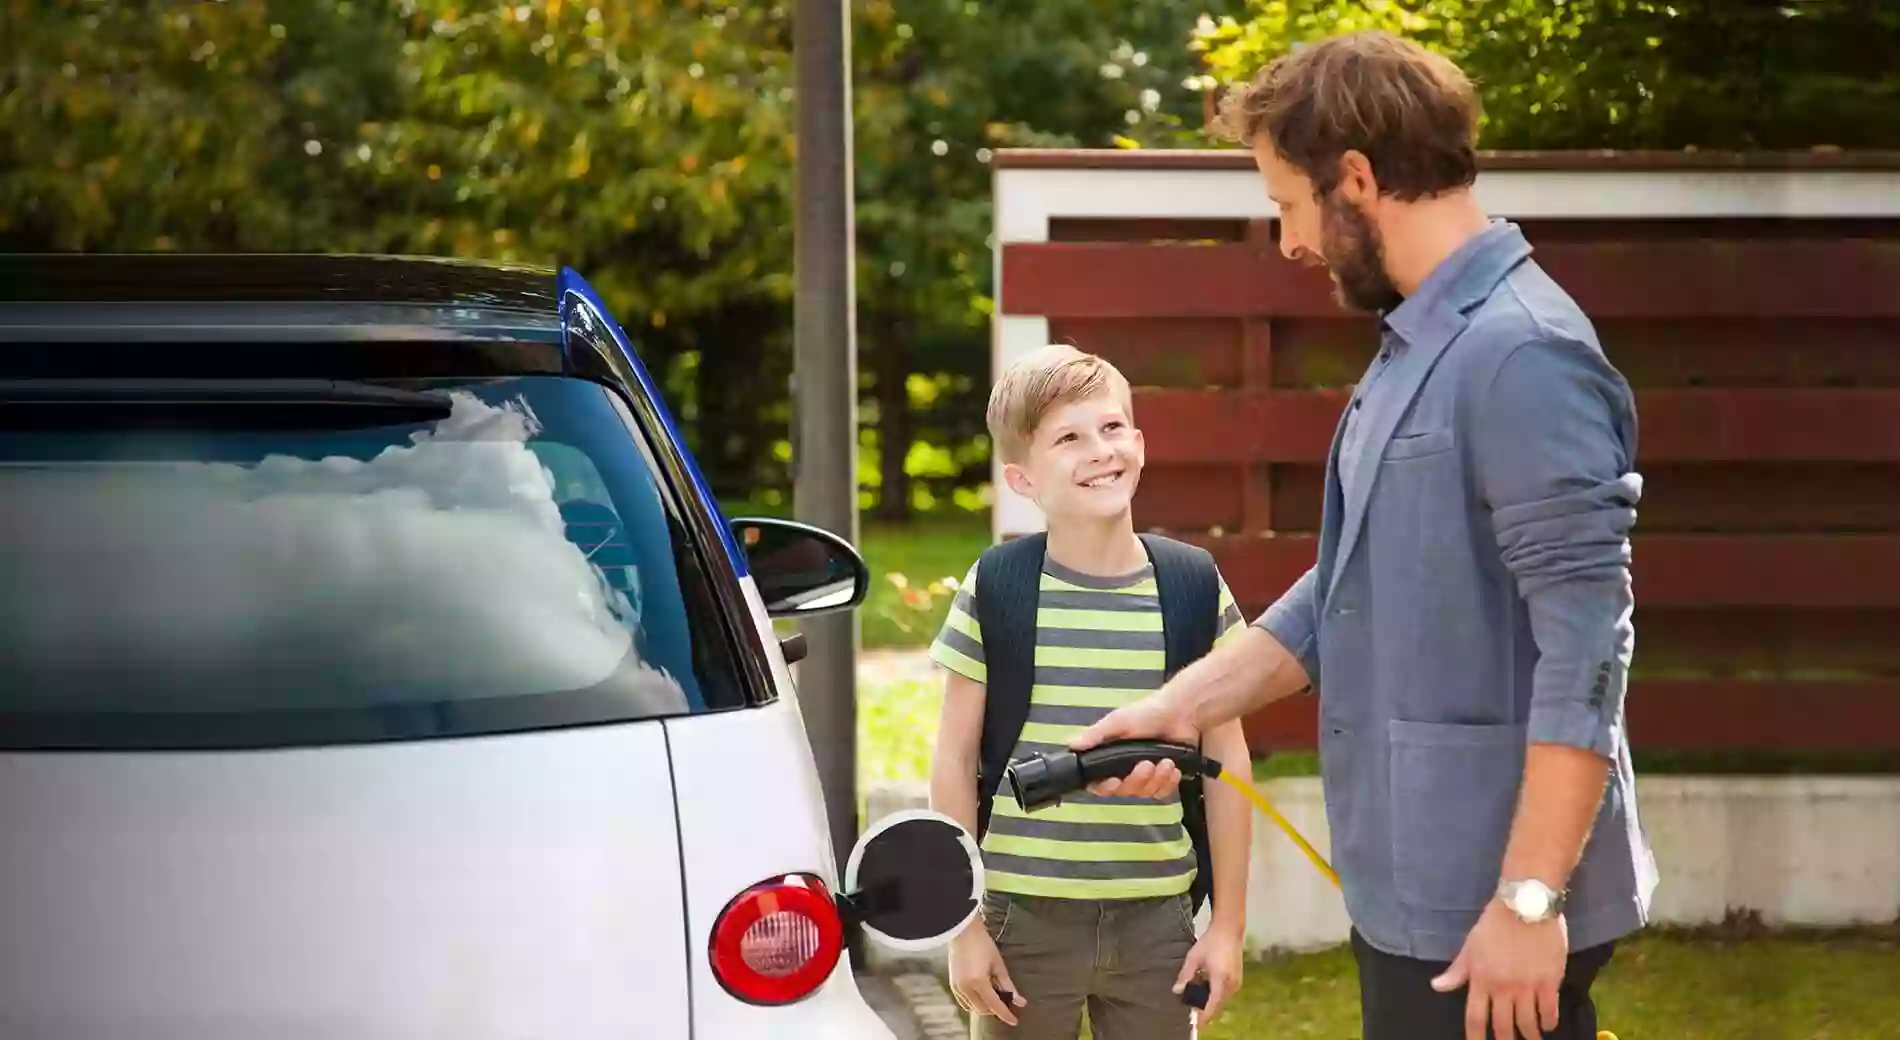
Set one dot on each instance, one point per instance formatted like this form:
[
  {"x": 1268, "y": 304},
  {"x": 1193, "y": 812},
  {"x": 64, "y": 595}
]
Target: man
[{"x": 1467, "y": 625}]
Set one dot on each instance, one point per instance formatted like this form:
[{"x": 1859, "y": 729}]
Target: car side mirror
[
  {"x": 801, "y": 570},
  {"x": 914, "y": 881}
]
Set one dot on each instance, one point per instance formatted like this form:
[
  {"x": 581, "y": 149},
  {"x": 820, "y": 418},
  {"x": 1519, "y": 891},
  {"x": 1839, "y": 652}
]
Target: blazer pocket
[
  {"x": 1418, "y": 445},
  {"x": 1454, "y": 791}
]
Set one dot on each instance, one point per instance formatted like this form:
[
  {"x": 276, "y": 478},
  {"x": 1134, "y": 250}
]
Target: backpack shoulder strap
[
  {"x": 1008, "y": 578},
  {"x": 1189, "y": 586},
  {"x": 1187, "y": 582}
]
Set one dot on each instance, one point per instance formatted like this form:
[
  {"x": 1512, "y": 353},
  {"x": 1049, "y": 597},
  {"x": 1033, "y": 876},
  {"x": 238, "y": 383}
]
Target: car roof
[
  {"x": 273, "y": 278},
  {"x": 78, "y": 297}
]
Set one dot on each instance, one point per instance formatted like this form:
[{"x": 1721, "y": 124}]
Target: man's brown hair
[
  {"x": 1412, "y": 113},
  {"x": 1041, "y": 382}
]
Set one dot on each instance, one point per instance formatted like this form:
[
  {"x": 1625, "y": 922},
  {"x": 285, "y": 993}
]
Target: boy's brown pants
[{"x": 1117, "y": 958}]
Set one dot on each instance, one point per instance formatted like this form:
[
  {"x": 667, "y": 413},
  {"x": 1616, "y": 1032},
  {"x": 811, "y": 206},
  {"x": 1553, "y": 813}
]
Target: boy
[{"x": 1089, "y": 902}]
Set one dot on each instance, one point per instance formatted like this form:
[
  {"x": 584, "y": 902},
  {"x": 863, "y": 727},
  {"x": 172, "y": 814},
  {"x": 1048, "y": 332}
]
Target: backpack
[{"x": 1009, "y": 580}]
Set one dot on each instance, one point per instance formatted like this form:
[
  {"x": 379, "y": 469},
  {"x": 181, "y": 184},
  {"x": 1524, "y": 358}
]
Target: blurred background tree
[{"x": 1630, "y": 74}]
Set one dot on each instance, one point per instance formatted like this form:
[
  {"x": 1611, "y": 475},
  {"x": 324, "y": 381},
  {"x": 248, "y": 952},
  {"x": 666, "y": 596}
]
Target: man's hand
[
  {"x": 1158, "y": 716},
  {"x": 1218, "y": 956},
  {"x": 977, "y": 972},
  {"x": 1242, "y": 676},
  {"x": 1513, "y": 970}
]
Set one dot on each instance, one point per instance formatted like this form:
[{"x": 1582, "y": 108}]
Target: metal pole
[{"x": 825, "y": 402}]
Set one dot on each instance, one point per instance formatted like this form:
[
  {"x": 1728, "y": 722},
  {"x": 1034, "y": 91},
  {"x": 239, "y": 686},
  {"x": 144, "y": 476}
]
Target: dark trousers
[{"x": 1397, "y": 1001}]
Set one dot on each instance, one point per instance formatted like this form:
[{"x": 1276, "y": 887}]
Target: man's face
[{"x": 1335, "y": 232}]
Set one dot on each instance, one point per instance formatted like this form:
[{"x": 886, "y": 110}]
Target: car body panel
[
  {"x": 519, "y": 885},
  {"x": 750, "y": 808}
]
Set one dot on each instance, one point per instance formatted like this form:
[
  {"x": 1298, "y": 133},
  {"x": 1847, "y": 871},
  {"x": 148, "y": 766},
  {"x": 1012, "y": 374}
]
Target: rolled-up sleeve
[
  {"x": 1555, "y": 446},
  {"x": 1294, "y": 621}
]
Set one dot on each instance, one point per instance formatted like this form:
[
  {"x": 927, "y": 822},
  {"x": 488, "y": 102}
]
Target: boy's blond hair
[{"x": 1041, "y": 382}]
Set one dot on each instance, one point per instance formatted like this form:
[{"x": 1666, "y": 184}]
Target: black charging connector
[{"x": 1043, "y": 780}]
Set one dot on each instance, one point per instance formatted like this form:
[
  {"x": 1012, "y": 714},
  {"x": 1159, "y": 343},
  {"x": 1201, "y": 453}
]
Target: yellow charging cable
[{"x": 1260, "y": 802}]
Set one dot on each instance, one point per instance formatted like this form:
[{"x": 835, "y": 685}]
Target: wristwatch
[{"x": 1531, "y": 900}]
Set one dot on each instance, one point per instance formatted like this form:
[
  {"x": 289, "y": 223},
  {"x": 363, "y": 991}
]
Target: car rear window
[{"x": 199, "y": 575}]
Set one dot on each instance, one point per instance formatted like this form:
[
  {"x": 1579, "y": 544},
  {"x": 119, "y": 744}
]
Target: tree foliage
[
  {"x": 941, "y": 85},
  {"x": 1589, "y": 74}
]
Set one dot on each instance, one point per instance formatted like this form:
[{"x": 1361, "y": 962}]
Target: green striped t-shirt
[{"x": 1099, "y": 645}]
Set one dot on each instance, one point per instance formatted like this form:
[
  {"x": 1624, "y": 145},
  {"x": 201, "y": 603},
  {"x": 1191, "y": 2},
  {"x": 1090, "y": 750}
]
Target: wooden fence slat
[
  {"x": 1196, "y": 496},
  {"x": 1751, "y": 642},
  {"x": 1787, "y": 571},
  {"x": 1114, "y": 280},
  {"x": 1652, "y": 352},
  {"x": 1678, "y": 497},
  {"x": 1238, "y": 426},
  {"x": 1675, "y": 279},
  {"x": 1692, "y": 715},
  {"x": 1797, "y": 425},
  {"x": 1783, "y": 425},
  {"x": 1161, "y": 352}
]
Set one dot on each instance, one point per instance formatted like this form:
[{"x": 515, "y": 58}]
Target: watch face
[{"x": 1532, "y": 901}]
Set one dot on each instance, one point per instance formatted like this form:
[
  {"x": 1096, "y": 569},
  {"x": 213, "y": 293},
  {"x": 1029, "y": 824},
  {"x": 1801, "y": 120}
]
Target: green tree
[
  {"x": 941, "y": 85},
  {"x": 646, "y": 143},
  {"x": 1666, "y": 74}
]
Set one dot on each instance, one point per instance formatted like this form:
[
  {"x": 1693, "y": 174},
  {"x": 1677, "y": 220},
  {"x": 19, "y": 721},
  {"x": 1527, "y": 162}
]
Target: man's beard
[{"x": 1356, "y": 256}]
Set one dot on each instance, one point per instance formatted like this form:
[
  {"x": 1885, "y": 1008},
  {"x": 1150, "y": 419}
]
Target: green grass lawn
[
  {"x": 897, "y": 723},
  {"x": 1659, "y": 987},
  {"x": 908, "y": 564}
]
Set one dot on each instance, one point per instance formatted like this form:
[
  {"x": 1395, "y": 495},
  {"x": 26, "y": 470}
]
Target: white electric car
[{"x": 374, "y": 664}]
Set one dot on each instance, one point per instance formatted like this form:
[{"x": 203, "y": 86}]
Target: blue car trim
[{"x": 571, "y": 282}]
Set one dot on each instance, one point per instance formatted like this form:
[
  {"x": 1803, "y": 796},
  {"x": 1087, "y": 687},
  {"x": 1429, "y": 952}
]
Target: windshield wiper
[{"x": 270, "y": 403}]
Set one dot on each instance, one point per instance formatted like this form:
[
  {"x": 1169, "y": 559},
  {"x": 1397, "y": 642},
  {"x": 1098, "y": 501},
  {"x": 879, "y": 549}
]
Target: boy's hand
[
  {"x": 977, "y": 973},
  {"x": 1218, "y": 956}
]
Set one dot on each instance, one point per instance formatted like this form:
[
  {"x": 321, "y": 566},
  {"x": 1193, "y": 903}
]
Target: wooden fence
[{"x": 1752, "y": 301}]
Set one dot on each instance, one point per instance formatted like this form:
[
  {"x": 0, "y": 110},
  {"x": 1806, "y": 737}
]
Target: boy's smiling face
[{"x": 1084, "y": 461}]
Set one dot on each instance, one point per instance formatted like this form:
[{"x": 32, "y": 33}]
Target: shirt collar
[{"x": 1465, "y": 277}]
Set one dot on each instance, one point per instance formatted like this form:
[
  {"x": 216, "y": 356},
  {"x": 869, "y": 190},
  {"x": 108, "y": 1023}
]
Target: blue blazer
[{"x": 1471, "y": 595}]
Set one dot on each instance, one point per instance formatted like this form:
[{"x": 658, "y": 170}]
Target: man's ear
[
  {"x": 1357, "y": 183},
  {"x": 1018, "y": 480}
]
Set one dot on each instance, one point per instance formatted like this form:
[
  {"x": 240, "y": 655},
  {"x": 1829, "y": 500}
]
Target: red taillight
[{"x": 778, "y": 941}]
